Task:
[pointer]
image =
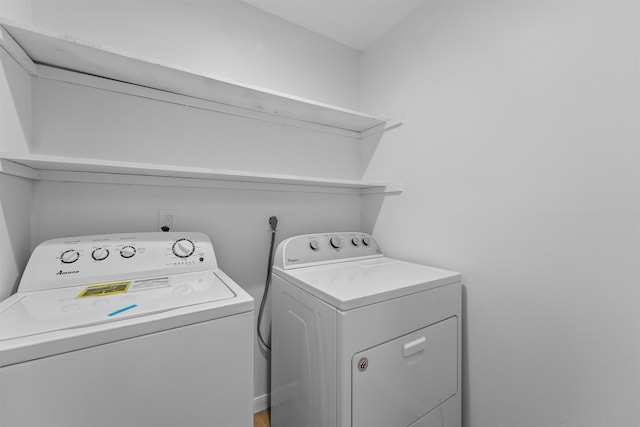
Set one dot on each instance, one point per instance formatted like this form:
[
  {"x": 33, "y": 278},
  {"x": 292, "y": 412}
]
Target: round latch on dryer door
[{"x": 363, "y": 364}]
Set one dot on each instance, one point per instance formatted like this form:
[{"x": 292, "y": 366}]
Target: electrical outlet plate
[{"x": 168, "y": 218}]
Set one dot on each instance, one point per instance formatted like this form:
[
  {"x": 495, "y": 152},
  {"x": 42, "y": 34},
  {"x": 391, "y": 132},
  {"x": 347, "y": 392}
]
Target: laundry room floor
[{"x": 261, "y": 419}]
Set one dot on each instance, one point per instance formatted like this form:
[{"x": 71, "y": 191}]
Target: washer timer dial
[
  {"x": 183, "y": 248},
  {"x": 127, "y": 251},
  {"x": 100, "y": 253}
]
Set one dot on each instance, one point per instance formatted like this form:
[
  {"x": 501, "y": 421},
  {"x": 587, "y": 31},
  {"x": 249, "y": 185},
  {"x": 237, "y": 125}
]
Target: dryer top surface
[{"x": 353, "y": 284}]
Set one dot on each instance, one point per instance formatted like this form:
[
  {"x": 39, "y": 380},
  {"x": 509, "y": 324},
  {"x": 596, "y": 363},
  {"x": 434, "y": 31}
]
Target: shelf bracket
[
  {"x": 16, "y": 169},
  {"x": 9, "y": 44}
]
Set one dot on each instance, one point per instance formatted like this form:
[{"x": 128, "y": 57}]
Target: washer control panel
[
  {"x": 311, "y": 249},
  {"x": 71, "y": 261}
]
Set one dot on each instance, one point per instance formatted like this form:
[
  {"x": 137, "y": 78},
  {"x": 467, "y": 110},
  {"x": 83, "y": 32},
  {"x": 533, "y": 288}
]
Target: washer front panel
[{"x": 197, "y": 375}]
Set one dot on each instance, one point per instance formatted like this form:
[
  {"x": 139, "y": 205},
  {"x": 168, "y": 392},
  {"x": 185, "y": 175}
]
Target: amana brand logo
[
  {"x": 60, "y": 273},
  {"x": 293, "y": 259}
]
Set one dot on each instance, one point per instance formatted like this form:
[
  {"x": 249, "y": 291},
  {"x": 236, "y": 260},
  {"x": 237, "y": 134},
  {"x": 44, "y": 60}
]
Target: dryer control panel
[
  {"x": 72, "y": 261},
  {"x": 325, "y": 248}
]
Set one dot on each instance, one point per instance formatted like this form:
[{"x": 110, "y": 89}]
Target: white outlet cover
[{"x": 162, "y": 221}]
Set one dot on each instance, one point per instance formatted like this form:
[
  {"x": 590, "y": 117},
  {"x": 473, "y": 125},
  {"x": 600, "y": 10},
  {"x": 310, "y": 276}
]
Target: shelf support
[
  {"x": 9, "y": 44},
  {"x": 11, "y": 168}
]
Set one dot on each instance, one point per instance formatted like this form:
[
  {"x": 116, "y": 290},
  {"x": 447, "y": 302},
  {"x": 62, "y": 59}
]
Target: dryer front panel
[{"x": 399, "y": 381}]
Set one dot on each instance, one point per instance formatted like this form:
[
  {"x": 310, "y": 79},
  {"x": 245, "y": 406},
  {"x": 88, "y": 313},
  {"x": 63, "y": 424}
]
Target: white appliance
[
  {"x": 139, "y": 329},
  {"x": 360, "y": 339}
]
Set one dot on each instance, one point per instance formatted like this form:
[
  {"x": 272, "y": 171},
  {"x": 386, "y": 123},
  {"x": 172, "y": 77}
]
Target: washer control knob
[
  {"x": 70, "y": 256},
  {"x": 314, "y": 245},
  {"x": 183, "y": 248},
  {"x": 127, "y": 252},
  {"x": 355, "y": 241},
  {"x": 335, "y": 242},
  {"x": 100, "y": 253},
  {"x": 366, "y": 241}
]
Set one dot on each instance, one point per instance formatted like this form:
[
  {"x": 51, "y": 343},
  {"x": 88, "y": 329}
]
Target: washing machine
[
  {"x": 360, "y": 339},
  {"x": 136, "y": 329}
]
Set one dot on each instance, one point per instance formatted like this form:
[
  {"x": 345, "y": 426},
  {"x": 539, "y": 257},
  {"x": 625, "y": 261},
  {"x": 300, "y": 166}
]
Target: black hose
[{"x": 273, "y": 222}]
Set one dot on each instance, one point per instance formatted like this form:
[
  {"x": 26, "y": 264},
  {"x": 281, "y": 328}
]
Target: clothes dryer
[
  {"x": 136, "y": 329},
  {"x": 360, "y": 339}
]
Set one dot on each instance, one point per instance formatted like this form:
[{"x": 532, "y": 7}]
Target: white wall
[
  {"x": 520, "y": 153},
  {"x": 224, "y": 38},
  {"x": 17, "y": 10},
  {"x": 15, "y": 131}
]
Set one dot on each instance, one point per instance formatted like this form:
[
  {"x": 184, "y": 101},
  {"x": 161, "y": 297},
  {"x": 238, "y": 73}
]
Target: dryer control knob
[
  {"x": 355, "y": 241},
  {"x": 100, "y": 254},
  {"x": 314, "y": 245},
  {"x": 183, "y": 248},
  {"x": 366, "y": 241},
  {"x": 69, "y": 256},
  {"x": 335, "y": 242}
]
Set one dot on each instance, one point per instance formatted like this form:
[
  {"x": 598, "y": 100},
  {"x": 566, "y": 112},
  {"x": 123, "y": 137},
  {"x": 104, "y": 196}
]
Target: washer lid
[
  {"x": 354, "y": 284},
  {"x": 40, "y": 323}
]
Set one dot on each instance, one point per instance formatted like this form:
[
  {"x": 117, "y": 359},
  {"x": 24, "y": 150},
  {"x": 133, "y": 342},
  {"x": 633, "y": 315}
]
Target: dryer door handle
[{"x": 413, "y": 347}]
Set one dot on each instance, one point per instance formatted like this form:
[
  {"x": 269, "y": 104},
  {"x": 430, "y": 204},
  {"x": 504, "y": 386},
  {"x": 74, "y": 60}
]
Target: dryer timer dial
[{"x": 335, "y": 242}]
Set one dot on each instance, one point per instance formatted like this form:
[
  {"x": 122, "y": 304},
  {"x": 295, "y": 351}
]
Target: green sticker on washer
[{"x": 105, "y": 289}]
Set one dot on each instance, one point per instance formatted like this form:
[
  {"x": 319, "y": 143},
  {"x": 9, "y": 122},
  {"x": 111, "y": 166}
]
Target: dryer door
[{"x": 397, "y": 382}]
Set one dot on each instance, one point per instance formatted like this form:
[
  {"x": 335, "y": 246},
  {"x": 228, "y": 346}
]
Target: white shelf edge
[
  {"x": 395, "y": 188},
  {"x": 382, "y": 128},
  {"x": 31, "y": 46},
  {"x": 68, "y": 169},
  {"x": 101, "y": 83}
]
